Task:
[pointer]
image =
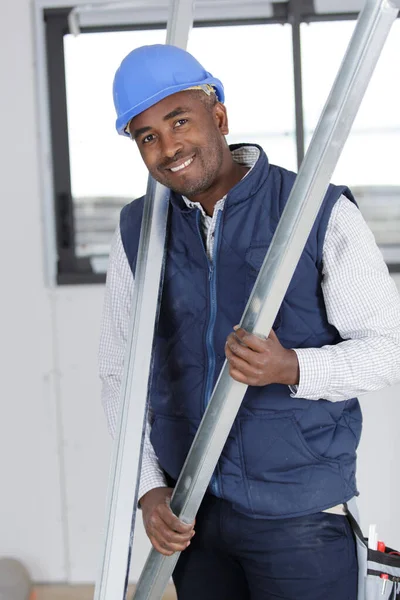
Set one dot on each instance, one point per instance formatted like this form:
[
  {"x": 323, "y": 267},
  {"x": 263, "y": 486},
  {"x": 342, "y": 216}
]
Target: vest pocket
[{"x": 284, "y": 476}]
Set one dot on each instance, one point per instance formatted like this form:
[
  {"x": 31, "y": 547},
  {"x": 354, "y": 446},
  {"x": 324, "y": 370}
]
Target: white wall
[
  {"x": 54, "y": 448},
  {"x": 31, "y": 524},
  {"x": 86, "y": 442}
]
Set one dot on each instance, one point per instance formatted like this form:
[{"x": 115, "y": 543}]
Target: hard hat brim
[{"x": 124, "y": 119}]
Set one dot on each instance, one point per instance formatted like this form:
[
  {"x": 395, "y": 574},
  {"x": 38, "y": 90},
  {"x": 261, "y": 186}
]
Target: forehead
[{"x": 161, "y": 109}]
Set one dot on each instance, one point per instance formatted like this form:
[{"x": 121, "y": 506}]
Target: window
[
  {"x": 255, "y": 114},
  {"x": 107, "y": 171},
  {"x": 96, "y": 171},
  {"x": 375, "y": 181}
]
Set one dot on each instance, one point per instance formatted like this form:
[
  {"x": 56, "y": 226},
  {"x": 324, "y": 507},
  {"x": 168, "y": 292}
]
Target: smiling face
[{"x": 181, "y": 140}]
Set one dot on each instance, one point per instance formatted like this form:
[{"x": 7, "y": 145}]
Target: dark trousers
[{"x": 234, "y": 557}]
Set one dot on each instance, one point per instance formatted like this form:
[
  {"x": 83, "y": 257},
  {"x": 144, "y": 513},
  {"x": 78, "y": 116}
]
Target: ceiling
[{"x": 110, "y": 13}]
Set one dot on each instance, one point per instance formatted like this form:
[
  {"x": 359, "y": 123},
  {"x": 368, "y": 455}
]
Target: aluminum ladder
[
  {"x": 369, "y": 37},
  {"x": 124, "y": 478}
]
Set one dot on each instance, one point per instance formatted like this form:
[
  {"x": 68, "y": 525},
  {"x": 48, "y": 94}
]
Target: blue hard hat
[{"x": 151, "y": 73}]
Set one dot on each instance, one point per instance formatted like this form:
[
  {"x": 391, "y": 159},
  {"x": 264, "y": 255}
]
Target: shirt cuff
[
  {"x": 315, "y": 374},
  {"x": 151, "y": 480}
]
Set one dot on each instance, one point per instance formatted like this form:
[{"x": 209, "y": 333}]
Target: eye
[
  {"x": 181, "y": 122},
  {"x": 149, "y": 138}
]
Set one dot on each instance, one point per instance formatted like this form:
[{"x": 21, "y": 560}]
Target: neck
[{"x": 231, "y": 173}]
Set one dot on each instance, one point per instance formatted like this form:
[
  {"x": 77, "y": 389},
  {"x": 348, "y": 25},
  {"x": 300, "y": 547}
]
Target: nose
[{"x": 171, "y": 145}]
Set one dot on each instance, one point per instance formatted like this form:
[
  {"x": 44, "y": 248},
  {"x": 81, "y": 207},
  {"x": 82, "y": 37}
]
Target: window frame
[{"x": 64, "y": 267}]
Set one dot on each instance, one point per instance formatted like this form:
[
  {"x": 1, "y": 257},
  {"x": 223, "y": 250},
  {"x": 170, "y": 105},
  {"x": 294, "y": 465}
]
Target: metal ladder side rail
[
  {"x": 124, "y": 478},
  {"x": 125, "y": 473},
  {"x": 278, "y": 267}
]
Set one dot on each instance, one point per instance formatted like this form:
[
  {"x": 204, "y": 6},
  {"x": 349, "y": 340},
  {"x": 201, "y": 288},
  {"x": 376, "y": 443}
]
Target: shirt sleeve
[
  {"x": 113, "y": 338},
  {"x": 363, "y": 303}
]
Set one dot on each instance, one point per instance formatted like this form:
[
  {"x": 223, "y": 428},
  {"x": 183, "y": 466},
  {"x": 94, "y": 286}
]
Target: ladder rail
[
  {"x": 297, "y": 219},
  {"x": 124, "y": 478},
  {"x": 128, "y": 443}
]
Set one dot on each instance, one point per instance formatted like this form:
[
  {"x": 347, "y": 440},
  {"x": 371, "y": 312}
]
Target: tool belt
[{"x": 378, "y": 572}]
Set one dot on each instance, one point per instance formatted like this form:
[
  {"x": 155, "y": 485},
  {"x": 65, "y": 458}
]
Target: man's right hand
[{"x": 166, "y": 532}]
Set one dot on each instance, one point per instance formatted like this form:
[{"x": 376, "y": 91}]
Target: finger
[
  {"x": 245, "y": 373},
  {"x": 238, "y": 376},
  {"x": 165, "y": 546},
  {"x": 170, "y": 538},
  {"x": 249, "y": 364},
  {"x": 234, "y": 348},
  {"x": 157, "y": 525},
  {"x": 159, "y": 547},
  {"x": 166, "y": 539},
  {"x": 173, "y": 522},
  {"x": 170, "y": 535},
  {"x": 252, "y": 341}
]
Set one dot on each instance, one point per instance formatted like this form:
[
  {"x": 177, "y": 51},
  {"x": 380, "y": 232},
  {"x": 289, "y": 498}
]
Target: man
[{"x": 273, "y": 523}]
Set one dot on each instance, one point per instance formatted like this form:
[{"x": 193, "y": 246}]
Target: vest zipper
[{"x": 212, "y": 278}]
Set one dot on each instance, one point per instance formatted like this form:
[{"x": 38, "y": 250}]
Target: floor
[{"x": 81, "y": 592}]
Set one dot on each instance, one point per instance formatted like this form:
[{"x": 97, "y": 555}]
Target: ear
[{"x": 221, "y": 117}]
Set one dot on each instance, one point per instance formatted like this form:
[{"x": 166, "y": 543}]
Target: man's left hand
[{"x": 256, "y": 361}]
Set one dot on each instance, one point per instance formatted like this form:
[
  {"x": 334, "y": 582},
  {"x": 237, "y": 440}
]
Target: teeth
[{"x": 182, "y": 166}]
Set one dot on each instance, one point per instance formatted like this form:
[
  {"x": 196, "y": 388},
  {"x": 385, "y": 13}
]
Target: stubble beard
[{"x": 210, "y": 162}]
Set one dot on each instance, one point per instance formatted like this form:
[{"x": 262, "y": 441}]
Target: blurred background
[{"x": 65, "y": 174}]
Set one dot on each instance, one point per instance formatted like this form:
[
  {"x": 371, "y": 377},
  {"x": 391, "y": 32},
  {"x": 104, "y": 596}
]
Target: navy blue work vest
[{"x": 284, "y": 456}]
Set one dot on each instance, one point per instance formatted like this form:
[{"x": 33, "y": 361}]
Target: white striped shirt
[{"x": 361, "y": 300}]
